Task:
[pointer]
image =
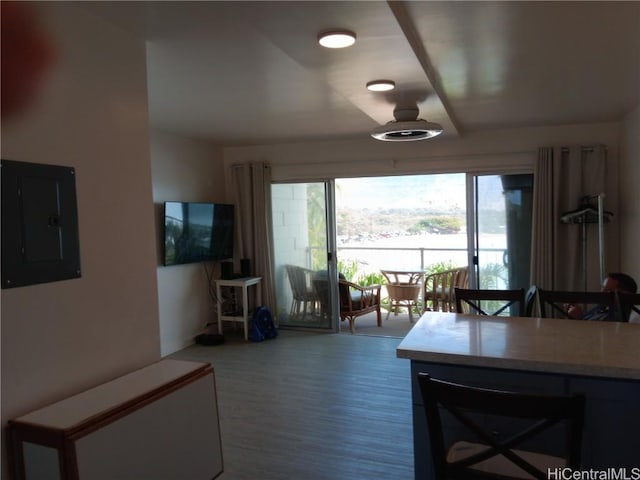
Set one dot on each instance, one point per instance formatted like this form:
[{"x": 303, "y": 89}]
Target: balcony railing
[
  {"x": 372, "y": 259},
  {"x": 377, "y": 258}
]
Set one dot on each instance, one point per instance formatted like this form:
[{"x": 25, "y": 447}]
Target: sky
[{"x": 444, "y": 191}]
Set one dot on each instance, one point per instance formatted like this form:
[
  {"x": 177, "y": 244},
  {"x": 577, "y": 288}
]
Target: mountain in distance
[{"x": 445, "y": 193}]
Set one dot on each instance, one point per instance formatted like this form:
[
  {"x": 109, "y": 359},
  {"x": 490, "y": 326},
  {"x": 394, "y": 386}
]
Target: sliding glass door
[
  {"x": 304, "y": 255},
  {"x": 500, "y": 226}
]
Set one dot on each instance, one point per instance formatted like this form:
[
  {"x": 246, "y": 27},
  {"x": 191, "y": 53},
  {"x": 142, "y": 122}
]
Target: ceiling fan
[{"x": 406, "y": 127}]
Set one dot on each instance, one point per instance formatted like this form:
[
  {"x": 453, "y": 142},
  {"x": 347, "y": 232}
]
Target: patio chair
[
  {"x": 304, "y": 298},
  {"x": 470, "y": 301},
  {"x": 481, "y": 434},
  {"x": 356, "y": 300},
  {"x": 403, "y": 289},
  {"x": 439, "y": 288}
]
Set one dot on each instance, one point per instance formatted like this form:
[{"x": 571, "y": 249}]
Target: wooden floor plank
[{"x": 312, "y": 407}]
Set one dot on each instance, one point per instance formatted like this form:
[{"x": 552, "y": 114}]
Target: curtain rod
[
  {"x": 586, "y": 148},
  {"x": 238, "y": 165}
]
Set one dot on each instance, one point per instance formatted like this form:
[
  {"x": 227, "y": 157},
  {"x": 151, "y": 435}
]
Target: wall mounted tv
[{"x": 197, "y": 232}]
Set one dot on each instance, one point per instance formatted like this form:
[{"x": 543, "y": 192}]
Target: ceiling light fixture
[
  {"x": 406, "y": 127},
  {"x": 381, "y": 85},
  {"x": 337, "y": 38}
]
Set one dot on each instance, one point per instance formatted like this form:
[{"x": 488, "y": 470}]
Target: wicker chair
[
  {"x": 439, "y": 288},
  {"x": 356, "y": 300},
  {"x": 304, "y": 297}
]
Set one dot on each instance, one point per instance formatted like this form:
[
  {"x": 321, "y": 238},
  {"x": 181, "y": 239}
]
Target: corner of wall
[
  {"x": 185, "y": 170},
  {"x": 63, "y": 337},
  {"x": 629, "y": 199}
]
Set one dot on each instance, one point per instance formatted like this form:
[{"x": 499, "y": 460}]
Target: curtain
[
  {"x": 252, "y": 189},
  {"x": 566, "y": 238},
  {"x": 563, "y": 177},
  {"x": 542, "y": 250}
]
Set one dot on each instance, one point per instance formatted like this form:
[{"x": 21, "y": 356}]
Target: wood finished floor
[{"x": 312, "y": 407}]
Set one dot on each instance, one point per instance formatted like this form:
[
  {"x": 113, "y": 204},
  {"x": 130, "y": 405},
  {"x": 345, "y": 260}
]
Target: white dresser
[{"x": 158, "y": 422}]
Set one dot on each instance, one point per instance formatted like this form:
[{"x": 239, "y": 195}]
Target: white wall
[
  {"x": 290, "y": 238},
  {"x": 514, "y": 148},
  {"x": 184, "y": 170},
  {"x": 63, "y": 337},
  {"x": 629, "y": 196}
]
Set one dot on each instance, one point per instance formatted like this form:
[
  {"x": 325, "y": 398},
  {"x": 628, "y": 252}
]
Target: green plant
[
  {"x": 317, "y": 225},
  {"x": 353, "y": 272},
  {"x": 439, "y": 267},
  {"x": 493, "y": 276},
  {"x": 440, "y": 224},
  {"x": 348, "y": 268},
  {"x": 367, "y": 279}
]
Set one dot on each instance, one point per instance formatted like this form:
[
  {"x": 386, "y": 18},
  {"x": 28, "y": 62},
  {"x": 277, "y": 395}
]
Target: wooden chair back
[
  {"x": 595, "y": 305},
  {"x": 470, "y": 301},
  {"x": 470, "y": 408},
  {"x": 628, "y": 306},
  {"x": 530, "y": 301}
]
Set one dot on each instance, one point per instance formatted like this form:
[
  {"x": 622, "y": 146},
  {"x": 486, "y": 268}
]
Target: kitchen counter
[
  {"x": 600, "y": 349},
  {"x": 546, "y": 356}
]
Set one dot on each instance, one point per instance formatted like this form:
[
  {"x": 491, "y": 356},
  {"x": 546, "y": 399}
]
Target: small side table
[
  {"x": 244, "y": 284},
  {"x": 405, "y": 288}
]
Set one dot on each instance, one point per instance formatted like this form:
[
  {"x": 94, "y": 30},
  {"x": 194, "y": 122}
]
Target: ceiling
[{"x": 239, "y": 73}]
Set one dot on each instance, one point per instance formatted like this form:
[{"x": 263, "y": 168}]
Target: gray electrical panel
[{"x": 40, "y": 241}]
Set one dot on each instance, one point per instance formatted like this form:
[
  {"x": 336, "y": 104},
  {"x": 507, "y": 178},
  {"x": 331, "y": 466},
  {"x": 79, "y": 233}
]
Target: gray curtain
[
  {"x": 563, "y": 176},
  {"x": 252, "y": 189},
  {"x": 542, "y": 231}
]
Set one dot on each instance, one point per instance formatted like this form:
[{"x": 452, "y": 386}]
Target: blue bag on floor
[{"x": 262, "y": 325}]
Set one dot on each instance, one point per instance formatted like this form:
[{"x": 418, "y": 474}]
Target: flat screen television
[{"x": 197, "y": 232}]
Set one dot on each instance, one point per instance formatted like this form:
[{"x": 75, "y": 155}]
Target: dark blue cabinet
[{"x": 612, "y": 417}]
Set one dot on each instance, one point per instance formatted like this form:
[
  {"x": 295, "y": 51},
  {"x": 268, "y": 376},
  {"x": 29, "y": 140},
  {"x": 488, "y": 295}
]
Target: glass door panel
[
  {"x": 304, "y": 282},
  {"x": 502, "y": 214}
]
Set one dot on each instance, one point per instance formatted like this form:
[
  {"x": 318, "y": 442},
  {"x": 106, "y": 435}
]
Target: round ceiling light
[
  {"x": 337, "y": 38},
  {"x": 381, "y": 85}
]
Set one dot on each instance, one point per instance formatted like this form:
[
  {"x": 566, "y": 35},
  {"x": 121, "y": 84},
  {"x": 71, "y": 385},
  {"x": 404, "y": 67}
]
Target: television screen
[{"x": 197, "y": 232}]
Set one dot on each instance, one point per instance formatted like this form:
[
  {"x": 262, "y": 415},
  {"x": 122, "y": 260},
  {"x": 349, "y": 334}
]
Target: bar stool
[{"x": 479, "y": 450}]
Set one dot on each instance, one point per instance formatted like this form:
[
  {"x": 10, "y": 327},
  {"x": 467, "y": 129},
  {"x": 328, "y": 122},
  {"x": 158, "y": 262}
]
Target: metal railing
[{"x": 416, "y": 257}]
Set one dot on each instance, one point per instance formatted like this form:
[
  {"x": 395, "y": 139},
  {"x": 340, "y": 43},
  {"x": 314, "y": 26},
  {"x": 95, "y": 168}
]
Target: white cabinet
[{"x": 158, "y": 422}]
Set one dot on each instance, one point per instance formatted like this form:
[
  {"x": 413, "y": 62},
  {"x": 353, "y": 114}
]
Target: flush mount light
[
  {"x": 337, "y": 38},
  {"x": 381, "y": 85}
]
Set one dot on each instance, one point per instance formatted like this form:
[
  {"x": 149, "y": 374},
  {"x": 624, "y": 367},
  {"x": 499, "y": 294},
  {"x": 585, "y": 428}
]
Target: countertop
[{"x": 549, "y": 345}]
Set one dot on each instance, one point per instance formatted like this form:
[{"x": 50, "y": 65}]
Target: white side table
[{"x": 243, "y": 284}]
